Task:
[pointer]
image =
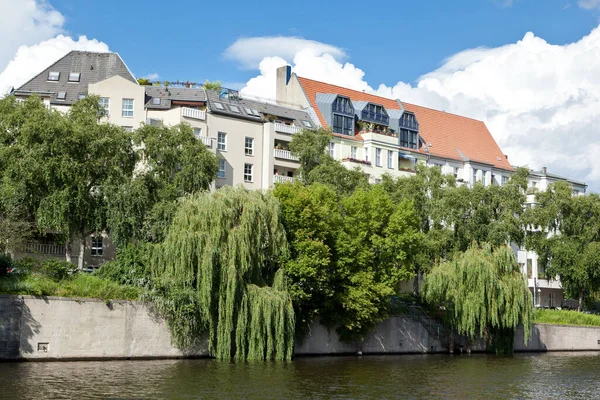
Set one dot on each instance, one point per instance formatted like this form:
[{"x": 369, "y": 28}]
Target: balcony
[
  {"x": 284, "y": 154},
  {"x": 289, "y": 129},
  {"x": 376, "y": 117},
  {"x": 206, "y": 140},
  {"x": 282, "y": 179},
  {"x": 46, "y": 248},
  {"x": 193, "y": 113}
]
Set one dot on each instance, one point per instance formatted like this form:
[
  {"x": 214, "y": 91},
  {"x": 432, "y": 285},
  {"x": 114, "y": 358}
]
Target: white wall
[{"x": 116, "y": 89}]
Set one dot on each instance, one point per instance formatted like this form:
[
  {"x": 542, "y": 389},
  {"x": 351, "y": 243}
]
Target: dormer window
[
  {"x": 61, "y": 96},
  {"x": 409, "y": 121},
  {"x": 409, "y": 131},
  {"x": 74, "y": 76},
  {"x": 343, "y": 116},
  {"x": 53, "y": 76},
  {"x": 375, "y": 113},
  {"x": 343, "y": 105}
]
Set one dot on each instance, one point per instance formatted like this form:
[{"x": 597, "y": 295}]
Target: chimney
[
  {"x": 544, "y": 170},
  {"x": 506, "y": 156}
]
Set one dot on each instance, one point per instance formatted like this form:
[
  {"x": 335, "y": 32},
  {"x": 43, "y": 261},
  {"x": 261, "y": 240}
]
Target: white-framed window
[
  {"x": 474, "y": 175},
  {"x": 249, "y": 146},
  {"x": 483, "y": 176},
  {"x": 127, "y": 109},
  {"x": 222, "y": 141},
  {"x": 97, "y": 246},
  {"x": 222, "y": 168},
  {"x": 61, "y": 96},
  {"x": 128, "y": 128},
  {"x": 53, "y": 76},
  {"x": 247, "y": 172},
  {"x": 551, "y": 299},
  {"x": 575, "y": 192},
  {"x": 378, "y": 157},
  {"x": 456, "y": 169},
  {"x": 104, "y": 103},
  {"x": 197, "y": 132},
  {"x": 504, "y": 179},
  {"x": 366, "y": 154},
  {"x": 74, "y": 76},
  {"x": 331, "y": 149},
  {"x": 353, "y": 152},
  {"x": 390, "y": 159}
]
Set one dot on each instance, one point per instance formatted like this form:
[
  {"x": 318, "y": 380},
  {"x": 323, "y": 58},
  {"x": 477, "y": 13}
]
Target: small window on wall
[
  {"x": 74, "y": 76},
  {"x": 353, "y": 152},
  {"x": 331, "y": 149},
  {"x": 390, "y": 159},
  {"x": 61, "y": 96},
  {"x": 127, "y": 108},
  {"x": 197, "y": 132},
  {"x": 97, "y": 248},
  {"x": 53, "y": 76},
  {"x": 222, "y": 141},
  {"x": 378, "y": 157},
  {"x": 247, "y": 172},
  {"x": 222, "y": 169},
  {"x": 551, "y": 299},
  {"x": 249, "y": 146}
]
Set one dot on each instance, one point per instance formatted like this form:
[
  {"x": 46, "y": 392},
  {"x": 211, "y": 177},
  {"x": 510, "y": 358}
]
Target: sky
[{"x": 528, "y": 68}]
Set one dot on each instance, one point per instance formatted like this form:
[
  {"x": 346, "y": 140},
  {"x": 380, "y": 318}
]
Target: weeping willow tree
[
  {"x": 222, "y": 253},
  {"x": 484, "y": 293}
]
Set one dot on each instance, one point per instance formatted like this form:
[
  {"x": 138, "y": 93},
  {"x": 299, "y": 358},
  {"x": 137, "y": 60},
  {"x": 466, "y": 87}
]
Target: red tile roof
[{"x": 447, "y": 133}]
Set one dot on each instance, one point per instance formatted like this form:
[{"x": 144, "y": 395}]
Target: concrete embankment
[{"x": 34, "y": 328}]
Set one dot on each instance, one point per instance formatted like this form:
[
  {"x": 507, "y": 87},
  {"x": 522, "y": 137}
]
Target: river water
[{"x": 522, "y": 376}]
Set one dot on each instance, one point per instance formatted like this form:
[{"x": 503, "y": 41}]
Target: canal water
[{"x": 522, "y": 376}]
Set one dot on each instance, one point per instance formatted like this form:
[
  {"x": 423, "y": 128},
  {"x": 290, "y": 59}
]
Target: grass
[
  {"x": 80, "y": 285},
  {"x": 565, "y": 317}
]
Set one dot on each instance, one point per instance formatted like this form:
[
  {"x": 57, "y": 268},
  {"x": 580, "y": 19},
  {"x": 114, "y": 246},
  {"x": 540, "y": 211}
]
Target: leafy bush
[
  {"x": 58, "y": 270},
  {"x": 27, "y": 265},
  {"x": 129, "y": 268},
  {"x": 5, "y": 264}
]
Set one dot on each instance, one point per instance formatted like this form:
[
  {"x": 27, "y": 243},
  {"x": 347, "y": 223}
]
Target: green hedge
[{"x": 566, "y": 317}]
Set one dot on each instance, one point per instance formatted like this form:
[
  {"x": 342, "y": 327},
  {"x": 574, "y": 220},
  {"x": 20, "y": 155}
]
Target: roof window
[
  {"x": 219, "y": 106},
  {"x": 61, "y": 96},
  {"x": 74, "y": 76},
  {"x": 156, "y": 101},
  {"x": 53, "y": 76},
  {"x": 234, "y": 109},
  {"x": 248, "y": 111},
  {"x": 81, "y": 96},
  {"x": 256, "y": 113},
  {"x": 343, "y": 105},
  {"x": 307, "y": 124}
]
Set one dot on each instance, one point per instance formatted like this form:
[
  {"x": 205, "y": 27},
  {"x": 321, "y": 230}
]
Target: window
[
  {"x": 533, "y": 184},
  {"x": 353, "y": 152},
  {"x": 409, "y": 121},
  {"x": 255, "y": 112},
  {"x": 483, "y": 176},
  {"x": 247, "y": 172},
  {"x": 219, "y": 106},
  {"x": 97, "y": 246},
  {"x": 128, "y": 128},
  {"x": 197, "y": 132},
  {"x": 222, "y": 141},
  {"x": 249, "y": 146},
  {"x": 375, "y": 113},
  {"x": 378, "y": 157},
  {"x": 541, "y": 271},
  {"x": 104, "y": 103},
  {"x": 156, "y": 101},
  {"x": 366, "y": 154},
  {"x": 390, "y": 159},
  {"x": 74, "y": 76},
  {"x": 522, "y": 268},
  {"x": 343, "y": 124},
  {"x": 307, "y": 124},
  {"x": 551, "y": 299},
  {"x": 575, "y": 192},
  {"x": 331, "y": 149},
  {"x": 127, "y": 109},
  {"x": 61, "y": 96},
  {"x": 456, "y": 169},
  {"x": 529, "y": 268},
  {"x": 53, "y": 76},
  {"x": 474, "y": 175},
  {"x": 222, "y": 168},
  {"x": 409, "y": 139},
  {"x": 234, "y": 109},
  {"x": 81, "y": 96},
  {"x": 343, "y": 105},
  {"x": 493, "y": 179},
  {"x": 504, "y": 179}
]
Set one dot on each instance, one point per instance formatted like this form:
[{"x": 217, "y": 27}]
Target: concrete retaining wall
[{"x": 62, "y": 329}]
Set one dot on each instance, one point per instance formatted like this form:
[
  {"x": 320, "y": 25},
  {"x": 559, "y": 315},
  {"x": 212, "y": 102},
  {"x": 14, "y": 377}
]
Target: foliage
[
  {"x": 565, "y": 233},
  {"x": 129, "y": 267},
  {"x": 310, "y": 145},
  {"x": 144, "y": 82},
  {"x": 226, "y": 247},
  {"x": 566, "y": 317},
  {"x": 5, "y": 264},
  {"x": 58, "y": 270},
  {"x": 483, "y": 292},
  {"x": 216, "y": 86}
]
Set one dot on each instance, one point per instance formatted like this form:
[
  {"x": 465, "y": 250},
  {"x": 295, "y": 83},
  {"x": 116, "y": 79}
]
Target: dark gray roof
[
  {"x": 263, "y": 108},
  {"x": 92, "y": 67},
  {"x": 168, "y": 94}
]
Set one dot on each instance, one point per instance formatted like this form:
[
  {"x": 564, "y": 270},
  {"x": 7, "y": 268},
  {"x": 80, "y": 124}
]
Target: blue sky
[{"x": 390, "y": 41}]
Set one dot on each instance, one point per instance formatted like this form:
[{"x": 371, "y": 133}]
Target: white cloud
[
  {"x": 539, "y": 100},
  {"x": 249, "y": 52},
  {"x": 32, "y": 39},
  {"x": 589, "y": 4},
  {"x": 153, "y": 76}
]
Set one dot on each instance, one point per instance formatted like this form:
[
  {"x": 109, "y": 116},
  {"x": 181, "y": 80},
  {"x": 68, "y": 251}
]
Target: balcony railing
[
  {"x": 283, "y": 128},
  {"x": 282, "y": 179},
  {"x": 46, "y": 248},
  {"x": 193, "y": 113},
  {"x": 376, "y": 117},
  {"x": 206, "y": 140},
  {"x": 285, "y": 154},
  {"x": 409, "y": 123}
]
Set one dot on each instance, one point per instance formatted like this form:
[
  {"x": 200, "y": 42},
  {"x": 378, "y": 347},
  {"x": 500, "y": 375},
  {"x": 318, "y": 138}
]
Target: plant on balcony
[
  {"x": 356, "y": 160},
  {"x": 363, "y": 126},
  {"x": 406, "y": 169},
  {"x": 278, "y": 146}
]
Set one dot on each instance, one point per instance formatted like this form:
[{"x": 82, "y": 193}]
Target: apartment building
[{"x": 546, "y": 292}]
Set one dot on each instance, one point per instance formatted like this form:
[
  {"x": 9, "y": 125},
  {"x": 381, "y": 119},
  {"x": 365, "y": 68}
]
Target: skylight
[
  {"x": 81, "y": 96},
  {"x": 235, "y": 109},
  {"x": 248, "y": 111},
  {"x": 61, "y": 95},
  {"x": 307, "y": 124},
  {"x": 255, "y": 112},
  {"x": 53, "y": 76},
  {"x": 219, "y": 106},
  {"x": 74, "y": 76},
  {"x": 156, "y": 101}
]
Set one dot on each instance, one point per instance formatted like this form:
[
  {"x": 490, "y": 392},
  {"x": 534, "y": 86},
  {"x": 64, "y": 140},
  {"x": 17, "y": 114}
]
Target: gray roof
[
  {"x": 541, "y": 174},
  {"x": 263, "y": 108},
  {"x": 92, "y": 67},
  {"x": 168, "y": 94}
]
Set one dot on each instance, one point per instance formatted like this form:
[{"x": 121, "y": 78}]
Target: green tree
[
  {"x": 144, "y": 82},
  {"x": 565, "y": 233},
  {"x": 310, "y": 147},
  {"x": 224, "y": 250},
  {"x": 215, "y": 86},
  {"x": 172, "y": 163},
  {"x": 484, "y": 294}
]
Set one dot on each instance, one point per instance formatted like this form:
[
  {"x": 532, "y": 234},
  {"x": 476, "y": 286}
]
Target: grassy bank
[
  {"x": 79, "y": 285},
  {"x": 565, "y": 317}
]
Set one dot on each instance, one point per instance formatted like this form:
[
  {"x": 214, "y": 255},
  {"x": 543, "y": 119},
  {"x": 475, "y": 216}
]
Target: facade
[{"x": 546, "y": 292}]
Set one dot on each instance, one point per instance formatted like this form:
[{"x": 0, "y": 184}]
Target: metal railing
[
  {"x": 285, "y": 154},
  {"x": 282, "y": 179},
  {"x": 283, "y": 128},
  {"x": 46, "y": 248},
  {"x": 206, "y": 140},
  {"x": 193, "y": 113}
]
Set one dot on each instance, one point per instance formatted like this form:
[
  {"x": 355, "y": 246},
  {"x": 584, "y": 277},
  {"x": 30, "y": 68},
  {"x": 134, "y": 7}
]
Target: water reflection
[{"x": 530, "y": 376}]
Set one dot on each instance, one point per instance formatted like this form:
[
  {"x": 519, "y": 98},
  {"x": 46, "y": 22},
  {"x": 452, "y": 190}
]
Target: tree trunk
[
  {"x": 580, "y": 305},
  {"x": 451, "y": 343},
  {"x": 81, "y": 253},
  {"x": 68, "y": 251}
]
